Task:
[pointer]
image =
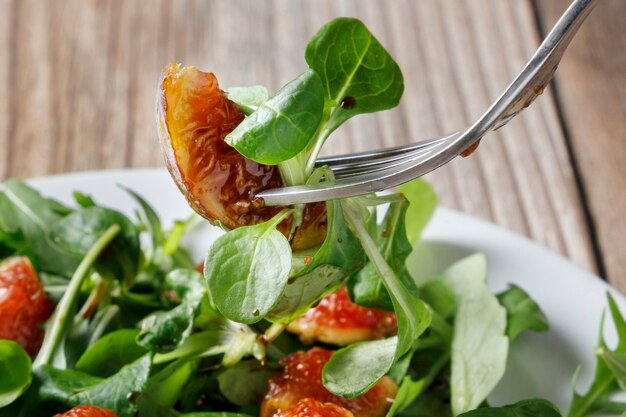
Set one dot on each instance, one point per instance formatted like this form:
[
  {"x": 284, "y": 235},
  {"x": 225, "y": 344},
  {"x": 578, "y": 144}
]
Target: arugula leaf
[
  {"x": 149, "y": 218},
  {"x": 85, "y": 332},
  {"x": 616, "y": 362},
  {"x": 78, "y": 231},
  {"x": 357, "y": 73},
  {"x": 366, "y": 287},
  {"x": 249, "y": 98},
  {"x": 607, "y": 374},
  {"x": 15, "y": 368},
  {"x": 522, "y": 312},
  {"x": 73, "y": 388},
  {"x": 423, "y": 202},
  {"x": 246, "y": 270},
  {"x": 343, "y": 373},
  {"x": 35, "y": 215},
  {"x": 60, "y": 321},
  {"x": 110, "y": 353},
  {"x": 412, "y": 314},
  {"x": 83, "y": 200},
  {"x": 246, "y": 382},
  {"x": 8, "y": 218},
  {"x": 282, "y": 126},
  {"x": 525, "y": 408},
  {"x": 479, "y": 345},
  {"x": 439, "y": 296}
]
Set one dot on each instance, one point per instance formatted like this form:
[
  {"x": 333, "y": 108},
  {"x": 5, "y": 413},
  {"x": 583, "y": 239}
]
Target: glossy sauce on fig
[
  {"x": 87, "y": 411},
  {"x": 24, "y": 306},
  {"x": 313, "y": 408},
  {"x": 302, "y": 378},
  {"x": 337, "y": 320},
  {"x": 219, "y": 183},
  {"x": 194, "y": 117}
]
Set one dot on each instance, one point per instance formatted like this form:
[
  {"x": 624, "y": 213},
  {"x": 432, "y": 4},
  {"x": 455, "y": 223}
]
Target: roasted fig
[{"x": 194, "y": 116}]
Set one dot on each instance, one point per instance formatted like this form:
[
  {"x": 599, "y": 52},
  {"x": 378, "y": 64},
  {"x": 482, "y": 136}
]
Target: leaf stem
[
  {"x": 273, "y": 332},
  {"x": 60, "y": 322},
  {"x": 312, "y": 152},
  {"x": 392, "y": 282}
]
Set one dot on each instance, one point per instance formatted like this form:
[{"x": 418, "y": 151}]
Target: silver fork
[{"x": 370, "y": 172}]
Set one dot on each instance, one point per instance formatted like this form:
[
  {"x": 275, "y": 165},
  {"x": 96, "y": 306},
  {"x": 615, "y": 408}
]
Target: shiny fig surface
[
  {"x": 24, "y": 306},
  {"x": 87, "y": 411},
  {"x": 338, "y": 321},
  {"x": 313, "y": 408},
  {"x": 194, "y": 116},
  {"x": 302, "y": 378}
]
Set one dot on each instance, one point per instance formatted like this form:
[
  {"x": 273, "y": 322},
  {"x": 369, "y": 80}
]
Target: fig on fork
[{"x": 194, "y": 116}]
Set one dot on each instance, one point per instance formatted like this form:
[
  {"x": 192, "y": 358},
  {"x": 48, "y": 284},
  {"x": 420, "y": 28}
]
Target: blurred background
[{"x": 78, "y": 81}]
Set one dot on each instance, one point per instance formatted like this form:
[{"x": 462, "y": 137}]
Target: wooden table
[{"x": 78, "y": 82}]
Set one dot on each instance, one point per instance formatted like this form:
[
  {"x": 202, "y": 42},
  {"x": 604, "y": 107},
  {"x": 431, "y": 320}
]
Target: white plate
[{"x": 540, "y": 365}]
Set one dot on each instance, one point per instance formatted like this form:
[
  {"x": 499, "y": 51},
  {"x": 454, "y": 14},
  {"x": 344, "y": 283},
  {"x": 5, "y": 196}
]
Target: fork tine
[
  {"x": 351, "y": 164},
  {"x": 352, "y": 169},
  {"x": 358, "y": 157},
  {"x": 365, "y": 182}
]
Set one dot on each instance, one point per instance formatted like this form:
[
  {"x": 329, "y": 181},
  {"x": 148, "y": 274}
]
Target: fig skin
[
  {"x": 338, "y": 321},
  {"x": 24, "y": 306},
  {"x": 87, "y": 411},
  {"x": 313, "y": 408},
  {"x": 302, "y": 378},
  {"x": 193, "y": 117}
]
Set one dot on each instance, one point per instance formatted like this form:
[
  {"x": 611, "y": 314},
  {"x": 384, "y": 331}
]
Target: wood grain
[
  {"x": 80, "y": 79},
  {"x": 591, "y": 84}
]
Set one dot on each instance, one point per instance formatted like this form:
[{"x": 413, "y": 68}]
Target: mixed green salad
[{"x": 138, "y": 330}]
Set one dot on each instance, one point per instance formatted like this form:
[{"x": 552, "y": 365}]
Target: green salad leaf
[
  {"x": 412, "y": 314},
  {"x": 35, "y": 216},
  {"x": 78, "y": 231},
  {"x": 115, "y": 393},
  {"x": 407, "y": 393},
  {"x": 525, "y": 408},
  {"x": 148, "y": 218},
  {"x": 110, "y": 353},
  {"x": 371, "y": 358},
  {"x": 341, "y": 248},
  {"x": 423, "y": 202},
  {"x": 522, "y": 312},
  {"x": 247, "y": 269},
  {"x": 282, "y": 126},
  {"x": 606, "y": 379},
  {"x": 246, "y": 383},
  {"x": 249, "y": 98},
  {"x": 366, "y": 287},
  {"x": 15, "y": 368},
  {"x": 479, "y": 345},
  {"x": 358, "y": 75}
]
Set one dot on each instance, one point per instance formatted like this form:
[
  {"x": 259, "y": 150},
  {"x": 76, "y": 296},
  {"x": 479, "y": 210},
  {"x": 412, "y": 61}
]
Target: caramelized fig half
[{"x": 194, "y": 116}]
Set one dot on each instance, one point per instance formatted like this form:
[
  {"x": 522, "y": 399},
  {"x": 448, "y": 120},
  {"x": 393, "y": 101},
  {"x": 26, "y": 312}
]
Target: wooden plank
[
  {"x": 98, "y": 82},
  {"x": 591, "y": 83},
  {"x": 29, "y": 102},
  {"x": 6, "y": 32}
]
